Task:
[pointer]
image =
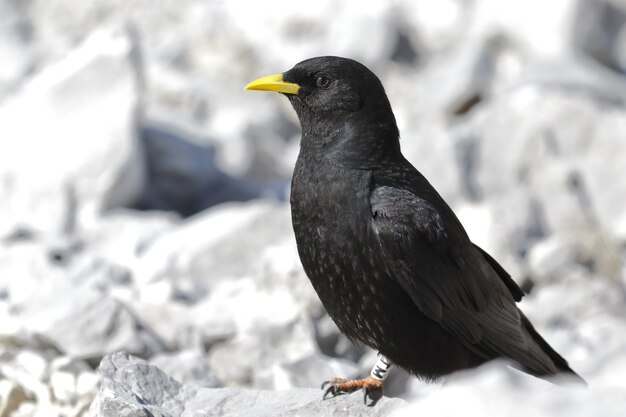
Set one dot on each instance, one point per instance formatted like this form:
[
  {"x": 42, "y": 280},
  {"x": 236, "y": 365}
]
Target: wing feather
[{"x": 450, "y": 280}]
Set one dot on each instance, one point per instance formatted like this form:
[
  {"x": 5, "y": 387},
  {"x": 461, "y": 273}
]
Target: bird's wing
[
  {"x": 449, "y": 279},
  {"x": 515, "y": 290}
]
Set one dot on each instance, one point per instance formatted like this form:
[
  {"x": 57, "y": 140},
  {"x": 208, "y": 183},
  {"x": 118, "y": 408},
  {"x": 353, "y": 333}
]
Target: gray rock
[
  {"x": 14, "y": 47},
  {"x": 600, "y": 32},
  {"x": 183, "y": 176},
  {"x": 85, "y": 324},
  {"x": 301, "y": 402},
  {"x": 131, "y": 387}
]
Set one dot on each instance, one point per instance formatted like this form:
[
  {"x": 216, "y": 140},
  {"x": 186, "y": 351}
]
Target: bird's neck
[{"x": 355, "y": 142}]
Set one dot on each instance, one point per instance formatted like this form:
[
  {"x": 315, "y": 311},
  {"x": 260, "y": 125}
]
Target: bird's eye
[{"x": 321, "y": 81}]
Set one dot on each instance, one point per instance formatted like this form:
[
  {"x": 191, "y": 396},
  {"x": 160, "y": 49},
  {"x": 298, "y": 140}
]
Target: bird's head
[{"x": 334, "y": 96}]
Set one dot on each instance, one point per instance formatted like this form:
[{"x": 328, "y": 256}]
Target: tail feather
[{"x": 559, "y": 362}]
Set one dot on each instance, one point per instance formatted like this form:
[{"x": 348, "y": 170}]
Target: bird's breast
[{"x": 332, "y": 224}]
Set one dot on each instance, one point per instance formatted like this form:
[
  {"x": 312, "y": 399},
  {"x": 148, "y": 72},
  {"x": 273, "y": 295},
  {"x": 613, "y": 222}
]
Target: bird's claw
[{"x": 372, "y": 388}]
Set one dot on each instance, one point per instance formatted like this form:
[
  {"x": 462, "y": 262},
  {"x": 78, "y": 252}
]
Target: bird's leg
[{"x": 372, "y": 385}]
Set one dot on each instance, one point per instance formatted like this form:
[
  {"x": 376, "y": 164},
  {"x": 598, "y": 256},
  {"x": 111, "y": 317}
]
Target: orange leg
[{"x": 372, "y": 385}]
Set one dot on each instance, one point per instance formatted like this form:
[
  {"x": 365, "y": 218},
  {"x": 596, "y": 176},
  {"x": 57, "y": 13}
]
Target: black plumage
[{"x": 387, "y": 256}]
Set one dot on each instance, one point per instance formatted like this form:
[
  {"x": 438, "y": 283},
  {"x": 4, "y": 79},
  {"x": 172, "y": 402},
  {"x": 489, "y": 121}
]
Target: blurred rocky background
[{"x": 143, "y": 198}]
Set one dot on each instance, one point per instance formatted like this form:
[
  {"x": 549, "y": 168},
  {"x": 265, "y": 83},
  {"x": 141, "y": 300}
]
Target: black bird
[{"x": 387, "y": 256}]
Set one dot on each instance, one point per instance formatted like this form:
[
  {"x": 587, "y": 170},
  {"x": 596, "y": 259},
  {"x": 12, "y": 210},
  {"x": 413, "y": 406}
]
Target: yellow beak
[{"x": 273, "y": 83}]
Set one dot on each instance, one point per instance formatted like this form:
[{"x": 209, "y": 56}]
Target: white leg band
[{"x": 381, "y": 370}]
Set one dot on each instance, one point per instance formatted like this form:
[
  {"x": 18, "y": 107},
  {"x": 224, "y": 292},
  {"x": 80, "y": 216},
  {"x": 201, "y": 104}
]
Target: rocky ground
[{"x": 147, "y": 264}]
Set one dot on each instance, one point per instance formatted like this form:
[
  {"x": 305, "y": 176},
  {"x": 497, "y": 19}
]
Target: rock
[
  {"x": 182, "y": 254},
  {"x": 187, "y": 366},
  {"x": 495, "y": 389},
  {"x": 184, "y": 177},
  {"x": 550, "y": 179},
  {"x": 332, "y": 343},
  {"x": 300, "y": 402},
  {"x": 340, "y": 37},
  {"x": 581, "y": 252},
  {"x": 122, "y": 235},
  {"x": 281, "y": 269},
  {"x": 552, "y": 258},
  {"x": 84, "y": 324},
  {"x": 308, "y": 372},
  {"x": 14, "y": 42},
  {"x": 11, "y": 397},
  {"x": 29, "y": 369},
  {"x": 74, "y": 149},
  {"x": 582, "y": 317},
  {"x": 270, "y": 330},
  {"x": 431, "y": 27},
  {"x": 543, "y": 31},
  {"x": 72, "y": 381},
  {"x": 601, "y": 32},
  {"x": 131, "y": 387},
  {"x": 182, "y": 326}
]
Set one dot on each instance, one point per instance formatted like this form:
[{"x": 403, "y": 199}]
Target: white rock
[
  {"x": 496, "y": 390},
  {"x": 543, "y": 29},
  {"x": 434, "y": 26},
  {"x": 28, "y": 261},
  {"x": 32, "y": 362},
  {"x": 156, "y": 292},
  {"x": 281, "y": 269},
  {"x": 63, "y": 386},
  {"x": 29, "y": 369},
  {"x": 550, "y": 259},
  {"x": 582, "y": 317},
  {"x": 69, "y": 145},
  {"x": 536, "y": 168},
  {"x": 188, "y": 367},
  {"x": 87, "y": 384},
  {"x": 175, "y": 324},
  {"x": 121, "y": 235},
  {"x": 308, "y": 372},
  {"x": 219, "y": 243},
  {"x": 243, "y": 359},
  {"x": 365, "y": 35}
]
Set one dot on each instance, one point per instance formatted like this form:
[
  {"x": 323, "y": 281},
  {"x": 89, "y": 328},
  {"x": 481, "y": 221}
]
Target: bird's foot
[{"x": 372, "y": 388}]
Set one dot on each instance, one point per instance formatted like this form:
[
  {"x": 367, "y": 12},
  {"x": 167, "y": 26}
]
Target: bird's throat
[{"x": 350, "y": 143}]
